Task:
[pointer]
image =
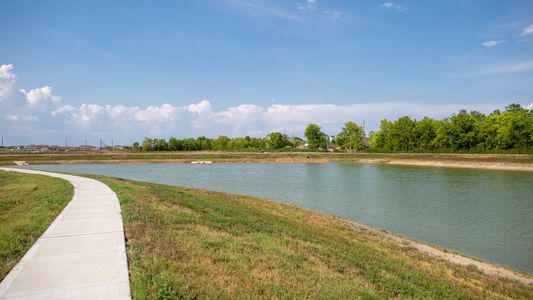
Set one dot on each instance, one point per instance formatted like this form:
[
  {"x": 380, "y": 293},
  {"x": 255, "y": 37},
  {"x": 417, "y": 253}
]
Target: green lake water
[{"x": 482, "y": 213}]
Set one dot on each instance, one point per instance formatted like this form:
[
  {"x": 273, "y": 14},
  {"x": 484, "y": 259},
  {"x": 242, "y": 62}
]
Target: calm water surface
[{"x": 483, "y": 213}]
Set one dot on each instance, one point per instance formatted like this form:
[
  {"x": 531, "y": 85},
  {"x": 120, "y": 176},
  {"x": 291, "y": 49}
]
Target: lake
[{"x": 482, "y": 213}]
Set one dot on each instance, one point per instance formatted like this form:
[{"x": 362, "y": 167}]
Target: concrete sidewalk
[{"x": 82, "y": 255}]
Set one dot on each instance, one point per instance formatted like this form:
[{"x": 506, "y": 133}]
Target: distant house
[
  {"x": 36, "y": 148},
  {"x": 303, "y": 146}
]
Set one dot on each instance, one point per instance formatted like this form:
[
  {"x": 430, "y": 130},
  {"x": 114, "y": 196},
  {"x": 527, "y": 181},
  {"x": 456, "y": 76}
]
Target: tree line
[
  {"x": 510, "y": 129},
  {"x": 350, "y": 138},
  {"x": 464, "y": 131}
]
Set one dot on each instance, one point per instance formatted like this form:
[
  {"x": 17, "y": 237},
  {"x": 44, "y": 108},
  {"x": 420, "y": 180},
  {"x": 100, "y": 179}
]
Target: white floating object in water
[{"x": 201, "y": 162}]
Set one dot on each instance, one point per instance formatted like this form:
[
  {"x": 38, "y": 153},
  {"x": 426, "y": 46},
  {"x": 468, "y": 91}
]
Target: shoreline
[
  {"x": 456, "y": 165},
  {"x": 480, "y": 165},
  {"x": 448, "y": 255}
]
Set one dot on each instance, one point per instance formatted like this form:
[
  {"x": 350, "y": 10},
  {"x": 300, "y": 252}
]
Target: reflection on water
[{"x": 483, "y": 213}]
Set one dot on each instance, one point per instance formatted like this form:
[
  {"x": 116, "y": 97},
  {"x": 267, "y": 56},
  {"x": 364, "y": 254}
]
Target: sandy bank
[
  {"x": 456, "y": 164},
  {"x": 485, "y": 267}
]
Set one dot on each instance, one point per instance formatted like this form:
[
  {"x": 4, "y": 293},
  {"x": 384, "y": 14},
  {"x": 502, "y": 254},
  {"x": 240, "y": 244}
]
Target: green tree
[
  {"x": 515, "y": 128},
  {"x": 257, "y": 143},
  {"x": 238, "y": 144},
  {"x": 350, "y": 137},
  {"x": 381, "y": 139},
  {"x": 402, "y": 135},
  {"x": 221, "y": 143},
  {"x": 514, "y": 107},
  {"x": 315, "y": 137},
  {"x": 160, "y": 145},
  {"x": 460, "y": 131},
  {"x": 190, "y": 144},
  {"x": 425, "y": 132},
  {"x": 148, "y": 144},
  {"x": 174, "y": 144},
  {"x": 204, "y": 143},
  {"x": 278, "y": 140}
]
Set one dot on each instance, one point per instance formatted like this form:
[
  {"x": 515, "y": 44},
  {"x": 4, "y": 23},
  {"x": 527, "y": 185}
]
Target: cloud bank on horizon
[{"x": 39, "y": 116}]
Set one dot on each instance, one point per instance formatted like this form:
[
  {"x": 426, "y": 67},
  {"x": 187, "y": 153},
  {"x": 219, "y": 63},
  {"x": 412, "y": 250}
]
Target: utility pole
[
  {"x": 2, "y": 141},
  {"x": 85, "y": 141},
  {"x": 112, "y": 145},
  {"x": 66, "y": 143}
]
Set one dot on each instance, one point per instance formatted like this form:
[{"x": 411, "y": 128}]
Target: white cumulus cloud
[
  {"x": 229, "y": 121},
  {"x": 527, "y": 30},
  {"x": 492, "y": 43},
  {"x": 41, "y": 95},
  {"x": 5, "y": 72},
  {"x": 237, "y": 118},
  {"x": 158, "y": 114},
  {"x": 7, "y": 80},
  {"x": 394, "y": 6}
]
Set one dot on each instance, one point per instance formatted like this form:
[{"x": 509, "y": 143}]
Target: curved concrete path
[{"x": 82, "y": 255}]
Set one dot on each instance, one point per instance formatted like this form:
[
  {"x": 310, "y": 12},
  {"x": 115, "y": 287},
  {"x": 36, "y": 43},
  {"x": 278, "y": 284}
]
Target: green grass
[
  {"x": 28, "y": 205},
  {"x": 188, "y": 243}
]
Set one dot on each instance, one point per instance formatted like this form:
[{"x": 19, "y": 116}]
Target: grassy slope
[
  {"x": 28, "y": 205},
  {"x": 198, "y": 244},
  {"x": 7, "y": 159}
]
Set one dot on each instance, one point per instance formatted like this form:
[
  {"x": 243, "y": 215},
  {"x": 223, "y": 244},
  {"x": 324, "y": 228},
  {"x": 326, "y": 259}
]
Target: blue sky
[{"x": 125, "y": 69}]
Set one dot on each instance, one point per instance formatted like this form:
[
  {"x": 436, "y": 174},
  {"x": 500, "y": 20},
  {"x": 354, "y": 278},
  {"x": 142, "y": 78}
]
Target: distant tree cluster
[
  {"x": 274, "y": 140},
  {"x": 510, "y": 129},
  {"x": 350, "y": 138},
  {"x": 474, "y": 131}
]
